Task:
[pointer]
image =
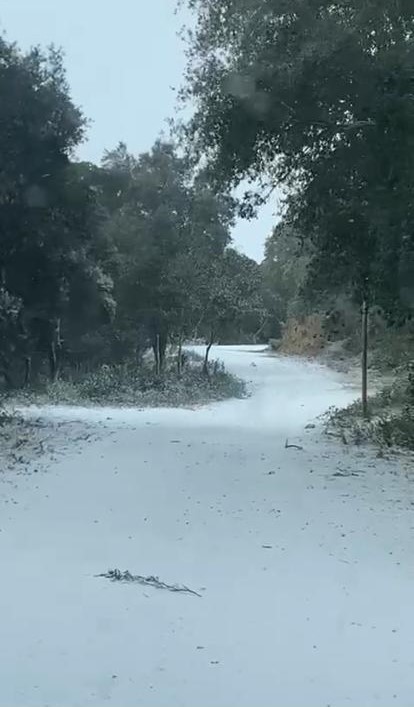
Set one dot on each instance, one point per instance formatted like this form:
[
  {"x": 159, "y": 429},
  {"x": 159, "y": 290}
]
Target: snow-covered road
[{"x": 304, "y": 559}]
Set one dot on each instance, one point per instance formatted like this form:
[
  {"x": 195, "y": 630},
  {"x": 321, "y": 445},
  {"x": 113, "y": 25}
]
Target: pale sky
[{"x": 122, "y": 60}]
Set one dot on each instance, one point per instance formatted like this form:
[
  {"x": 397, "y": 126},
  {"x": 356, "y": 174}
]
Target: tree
[
  {"x": 96, "y": 262},
  {"x": 318, "y": 96},
  {"x": 168, "y": 230},
  {"x": 284, "y": 274},
  {"x": 46, "y": 212},
  {"x": 229, "y": 293}
]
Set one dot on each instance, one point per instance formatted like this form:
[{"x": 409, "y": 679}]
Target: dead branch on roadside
[
  {"x": 118, "y": 576},
  {"x": 292, "y": 446}
]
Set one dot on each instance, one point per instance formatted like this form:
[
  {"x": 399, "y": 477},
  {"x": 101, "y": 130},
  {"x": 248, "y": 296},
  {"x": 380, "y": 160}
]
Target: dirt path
[{"x": 303, "y": 559}]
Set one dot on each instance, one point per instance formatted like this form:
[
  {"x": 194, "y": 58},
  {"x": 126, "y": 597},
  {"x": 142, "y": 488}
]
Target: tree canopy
[
  {"x": 98, "y": 262},
  {"x": 317, "y": 96}
]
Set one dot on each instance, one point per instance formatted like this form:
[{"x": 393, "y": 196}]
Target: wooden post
[{"x": 364, "y": 362}]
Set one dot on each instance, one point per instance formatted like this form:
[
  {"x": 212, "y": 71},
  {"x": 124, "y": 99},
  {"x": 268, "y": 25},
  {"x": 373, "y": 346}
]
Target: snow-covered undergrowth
[{"x": 302, "y": 556}]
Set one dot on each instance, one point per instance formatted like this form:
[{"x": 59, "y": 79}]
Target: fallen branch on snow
[
  {"x": 118, "y": 576},
  {"x": 292, "y": 446}
]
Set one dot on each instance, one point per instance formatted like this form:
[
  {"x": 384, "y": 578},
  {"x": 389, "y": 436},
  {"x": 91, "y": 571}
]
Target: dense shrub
[
  {"x": 132, "y": 385},
  {"x": 391, "y": 415}
]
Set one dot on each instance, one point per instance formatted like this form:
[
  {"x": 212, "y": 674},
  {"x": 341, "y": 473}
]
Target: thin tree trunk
[
  {"x": 157, "y": 353},
  {"x": 5, "y": 371},
  {"x": 55, "y": 351},
  {"x": 52, "y": 362},
  {"x": 58, "y": 347},
  {"x": 162, "y": 350},
  {"x": 208, "y": 349},
  {"x": 27, "y": 370},
  {"x": 364, "y": 362},
  {"x": 259, "y": 331},
  {"x": 180, "y": 357}
]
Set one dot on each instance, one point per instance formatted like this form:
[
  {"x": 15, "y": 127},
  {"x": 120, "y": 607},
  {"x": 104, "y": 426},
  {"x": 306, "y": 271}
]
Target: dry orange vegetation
[{"x": 304, "y": 336}]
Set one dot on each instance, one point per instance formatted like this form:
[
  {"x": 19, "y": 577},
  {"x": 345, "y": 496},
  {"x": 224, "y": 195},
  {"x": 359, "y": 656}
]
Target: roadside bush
[
  {"x": 391, "y": 416},
  {"x": 395, "y": 430},
  {"x": 132, "y": 385},
  {"x": 392, "y": 347}
]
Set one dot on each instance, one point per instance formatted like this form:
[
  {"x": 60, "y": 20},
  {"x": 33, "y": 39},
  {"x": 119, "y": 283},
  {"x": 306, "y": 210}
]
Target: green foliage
[
  {"x": 99, "y": 263},
  {"x": 316, "y": 96},
  {"x": 284, "y": 272},
  {"x": 47, "y": 219},
  {"x": 386, "y": 430},
  {"x": 392, "y": 348},
  {"x": 171, "y": 233},
  {"x": 230, "y": 298}
]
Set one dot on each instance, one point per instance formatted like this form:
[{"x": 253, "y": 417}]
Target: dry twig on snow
[
  {"x": 118, "y": 576},
  {"x": 292, "y": 446}
]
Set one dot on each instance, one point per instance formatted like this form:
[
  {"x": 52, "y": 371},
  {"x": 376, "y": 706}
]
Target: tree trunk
[
  {"x": 180, "y": 357},
  {"x": 5, "y": 371},
  {"x": 365, "y": 313},
  {"x": 157, "y": 354},
  {"x": 27, "y": 370},
  {"x": 55, "y": 350},
  {"x": 159, "y": 347},
  {"x": 208, "y": 349},
  {"x": 162, "y": 349},
  {"x": 52, "y": 361},
  {"x": 258, "y": 332}
]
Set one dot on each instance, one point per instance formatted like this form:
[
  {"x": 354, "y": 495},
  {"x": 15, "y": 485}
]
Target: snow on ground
[{"x": 303, "y": 558}]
